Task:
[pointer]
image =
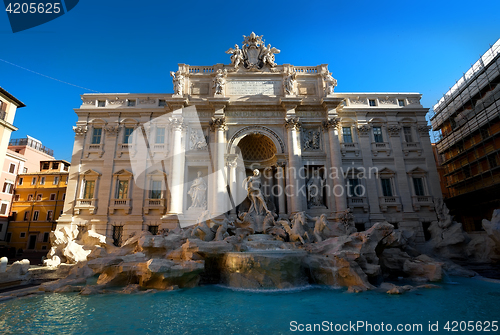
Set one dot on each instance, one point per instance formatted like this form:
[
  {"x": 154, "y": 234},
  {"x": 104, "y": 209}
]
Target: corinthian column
[
  {"x": 178, "y": 159},
  {"x": 280, "y": 176},
  {"x": 336, "y": 160},
  {"x": 221, "y": 204},
  {"x": 294, "y": 188}
]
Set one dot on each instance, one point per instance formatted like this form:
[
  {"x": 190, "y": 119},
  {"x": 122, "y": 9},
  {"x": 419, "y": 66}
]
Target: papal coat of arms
[{"x": 254, "y": 54}]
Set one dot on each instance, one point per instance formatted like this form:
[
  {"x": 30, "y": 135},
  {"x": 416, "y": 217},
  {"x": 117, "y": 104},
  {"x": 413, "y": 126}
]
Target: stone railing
[
  {"x": 305, "y": 69},
  {"x": 412, "y": 146},
  {"x": 201, "y": 69},
  {"x": 386, "y": 202},
  {"x": 158, "y": 204},
  {"x": 359, "y": 202},
  {"x": 381, "y": 147},
  {"x": 89, "y": 204},
  {"x": 349, "y": 147},
  {"x": 422, "y": 201}
]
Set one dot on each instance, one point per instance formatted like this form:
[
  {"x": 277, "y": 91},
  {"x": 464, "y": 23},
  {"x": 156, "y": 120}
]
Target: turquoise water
[{"x": 219, "y": 310}]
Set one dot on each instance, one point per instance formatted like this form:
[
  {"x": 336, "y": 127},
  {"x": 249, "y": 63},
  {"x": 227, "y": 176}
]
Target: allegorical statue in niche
[
  {"x": 288, "y": 83},
  {"x": 253, "y": 185},
  {"x": 236, "y": 55},
  {"x": 178, "y": 80},
  {"x": 219, "y": 82},
  {"x": 330, "y": 82},
  {"x": 312, "y": 140},
  {"x": 198, "y": 193},
  {"x": 315, "y": 186}
]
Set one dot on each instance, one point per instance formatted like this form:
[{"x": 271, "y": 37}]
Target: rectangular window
[
  {"x": 8, "y": 188},
  {"x": 485, "y": 132},
  {"x": 22, "y": 235},
  {"x": 20, "y": 181},
  {"x": 401, "y": 102},
  {"x": 66, "y": 167},
  {"x": 372, "y": 102},
  {"x": 46, "y": 237},
  {"x": 25, "y": 169},
  {"x": 1, "y": 227},
  {"x": 117, "y": 235},
  {"x": 346, "y": 133},
  {"x": 35, "y": 215},
  {"x": 45, "y": 165},
  {"x": 16, "y": 197},
  {"x": 55, "y": 165},
  {"x": 492, "y": 160},
  {"x": 153, "y": 230},
  {"x": 155, "y": 192},
  {"x": 127, "y": 135},
  {"x": 66, "y": 182},
  {"x": 30, "y": 197},
  {"x": 418, "y": 184},
  {"x": 8, "y": 237},
  {"x": 61, "y": 212},
  {"x": 33, "y": 181},
  {"x": 56, "y": 180},
  {"x": 96, "y": 136},
  {"x": 386, "y": 187},
  {"x": 407, "y": 133},
  {"x": 88, "y": 189},
  {"x": 162, "y": 103},
  {"x": 26, "y": 216},
  {"x": 3, "y": 209},
  {"x": 122, "y": 189},
  {"x": 64, "y": 196},
  {"x": 52, "y": 196},
  {"x": 354, "y": 188},
  {"x": 39, "y": 196},
  {"x": 49, "y": 215},
  {"x": 12, "y": 168},
  {"x": 42, "y": 181},
  {"x": 101, "y": 103},
  {"x": 14, "y": 216},
  {"x": 131, "y": 103},
  {"x": 160, "y": 135},
  {"x": 377, "y": 134}
]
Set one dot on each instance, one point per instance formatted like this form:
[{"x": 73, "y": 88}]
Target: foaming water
[{"x": 223, "y": 310}]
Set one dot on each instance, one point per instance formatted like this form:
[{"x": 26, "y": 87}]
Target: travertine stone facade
[{"x": 223, "y": 121}]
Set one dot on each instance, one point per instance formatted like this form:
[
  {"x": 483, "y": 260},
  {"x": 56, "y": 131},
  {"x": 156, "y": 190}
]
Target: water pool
[{"x": 219, "y": 310}]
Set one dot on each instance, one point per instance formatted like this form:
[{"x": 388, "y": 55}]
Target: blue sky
[{"x": 130, "y": 46}]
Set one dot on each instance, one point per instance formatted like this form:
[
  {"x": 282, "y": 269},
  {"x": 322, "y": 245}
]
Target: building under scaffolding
[{"x": 468, "y": 117}]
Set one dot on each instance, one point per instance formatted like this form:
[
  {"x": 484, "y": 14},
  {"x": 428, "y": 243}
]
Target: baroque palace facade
[{"x": 148, "y": 161}]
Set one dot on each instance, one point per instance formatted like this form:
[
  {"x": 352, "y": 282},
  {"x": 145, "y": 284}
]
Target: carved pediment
[
  {"x": 122, "y": 172},
  {"x": 386, "y": 171},
  {"x": 417, "y": 170},
  {"x": 91, "y": 172}
]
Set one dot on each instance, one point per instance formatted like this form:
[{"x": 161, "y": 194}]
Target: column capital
[
  {"x": 363, "y": 130},
  {"x": 177, "y": 123},
  {"x": 333, "y": 122},
  {"x": 293, "y": 122},
  {"x": 80, "y": 130},
  {"x": 218, "y": 123},
  {"x": 112, "y": 130},
  {"x": 423, "y": 130}
]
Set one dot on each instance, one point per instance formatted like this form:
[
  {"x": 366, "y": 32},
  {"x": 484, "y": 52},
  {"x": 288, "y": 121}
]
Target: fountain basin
[{"x": 264, "y": 269}]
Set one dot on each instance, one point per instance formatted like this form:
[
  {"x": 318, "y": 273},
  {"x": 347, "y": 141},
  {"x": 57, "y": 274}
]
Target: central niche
[{"x": 257, "y": 148}]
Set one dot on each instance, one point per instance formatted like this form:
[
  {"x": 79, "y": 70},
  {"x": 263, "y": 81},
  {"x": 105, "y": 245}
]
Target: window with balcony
[
  {"x": 96, "y": 136},
  {"x": 88, "y": 189},
  {"x": 377, "y": 135},
  {"x": 386, "y": 187},
  {"x": 418, "y": 185},
  {"x": 347, "y": 134},
  {"x": 155, "y": 192},
  {"x": 160, "y": 135},
  {"x": 127, "y": 135},
  {"x": 355, "y": 188},
  {"x": 408, "y": 135}
]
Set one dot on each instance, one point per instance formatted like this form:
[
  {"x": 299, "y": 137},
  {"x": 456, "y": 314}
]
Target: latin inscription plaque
[{"x": 254, "y": 87}]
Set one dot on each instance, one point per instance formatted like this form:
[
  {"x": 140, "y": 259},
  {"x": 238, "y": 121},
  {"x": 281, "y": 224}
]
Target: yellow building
[{"x": 38, "y": 203}]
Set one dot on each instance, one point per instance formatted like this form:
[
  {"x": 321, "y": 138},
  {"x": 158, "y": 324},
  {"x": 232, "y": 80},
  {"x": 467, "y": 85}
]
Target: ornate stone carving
[
  {"x": 117, "y": 101},
  {"x": 289, "y": 83},
  {"x": 330, "y": 83},
  {"x": 315, "y": 186},
  {"x": 219, "y": 82},
  {"x": 254, "y": 54},
  {"x": 147, "y": 101},
  {"x": 412, "y": 101},
  {"x": 80, "y": 130},
  {"x": 197, "y": 140},
  {"x": 387, "y": 101},
  {"x": 363, "y": 130},
  {"x": 218, "y": 123},
  {"x": 112, "y": 130},
  {"x": 177, "y": 123},
  {"x": 198, "y": 193},
  {"x": 258, "y": 129},
  {"x": 311, "y": 139},
  {"x": 292, "y": 123},
  {"x": 178, "y": 80},
  {"x": 331, "y": 123},
  {"x": 88, "y": 102},
  {"x": 393, "y": 130},
  {"x": 358, "y": 101},
  {"x": 254, "y": 194},
  {"x": 423, "y": 130}
]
